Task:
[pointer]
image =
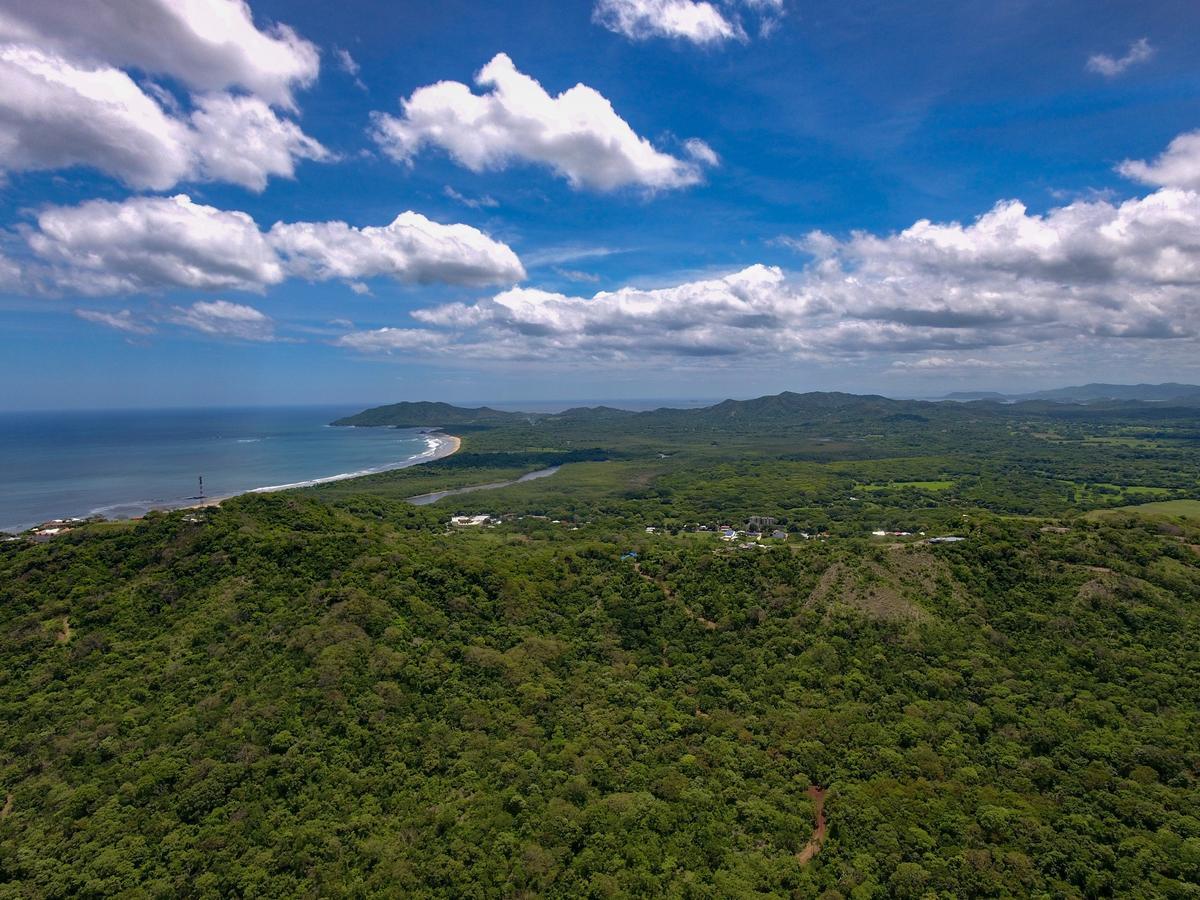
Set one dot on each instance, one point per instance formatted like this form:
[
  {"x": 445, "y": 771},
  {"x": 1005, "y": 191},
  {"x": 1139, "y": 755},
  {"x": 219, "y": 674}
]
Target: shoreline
[
  {"x": 443, "y": 445},
  {"x": 438, "y": 446}
]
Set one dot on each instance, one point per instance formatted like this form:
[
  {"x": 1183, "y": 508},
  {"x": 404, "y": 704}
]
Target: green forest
[{"x": 334, "y": 692}]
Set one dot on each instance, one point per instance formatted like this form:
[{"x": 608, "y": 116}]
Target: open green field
[
  {"x": 901, "y": 485},
  {"x": 1183, "y": 509}
]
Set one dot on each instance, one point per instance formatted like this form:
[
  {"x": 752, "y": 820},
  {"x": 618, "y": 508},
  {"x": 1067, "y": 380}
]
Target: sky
[{"x": 210, "y": 202}]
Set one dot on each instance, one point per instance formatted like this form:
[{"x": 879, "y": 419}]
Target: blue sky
[{"x": 749, "y": 203}]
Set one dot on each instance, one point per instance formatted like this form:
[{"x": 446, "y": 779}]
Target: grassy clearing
[
  {"x": 1184, "y": 509},
  {"x": 1119, "y": 441},
  {"x": 901, "y": 485},
  {"x": 1107, "y": 494}
]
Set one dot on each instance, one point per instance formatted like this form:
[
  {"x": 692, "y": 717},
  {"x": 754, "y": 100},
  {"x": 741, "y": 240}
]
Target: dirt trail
[
  {"x": 671, "y": 597},
  {"x": 8, "y": 801},
  {"x": 64, "y": 635},
  {"x": 813, "y": 847}
]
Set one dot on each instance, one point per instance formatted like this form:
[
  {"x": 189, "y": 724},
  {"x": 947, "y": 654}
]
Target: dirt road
[{"x": 813, "y": 847}]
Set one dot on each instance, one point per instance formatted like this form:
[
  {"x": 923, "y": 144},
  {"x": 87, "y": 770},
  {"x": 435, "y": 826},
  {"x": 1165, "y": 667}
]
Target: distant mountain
[
  {"x": 425, "y": 414},
  {"x": 786, "y": 408},
  {"x": 819, "y": 412},
  {"x": 1089, "y": 393},
  {"x": 816, "y": 406},
  {"x": 1093, "y": 393}
]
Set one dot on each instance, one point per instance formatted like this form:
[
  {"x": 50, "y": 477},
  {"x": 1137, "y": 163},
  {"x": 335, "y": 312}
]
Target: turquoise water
[{"x": 121, "y": 464}]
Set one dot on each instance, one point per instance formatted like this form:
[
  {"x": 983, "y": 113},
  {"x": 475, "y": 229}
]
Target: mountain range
[
  {"x": 789, "y": 406},
  {"x": 1092, "y": 393}
]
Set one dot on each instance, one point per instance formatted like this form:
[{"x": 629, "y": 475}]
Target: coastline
[{"x": 439, "y": 447}]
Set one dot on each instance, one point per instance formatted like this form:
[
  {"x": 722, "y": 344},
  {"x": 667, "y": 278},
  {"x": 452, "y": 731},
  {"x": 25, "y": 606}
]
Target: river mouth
[{"x": 434, "y": 497}]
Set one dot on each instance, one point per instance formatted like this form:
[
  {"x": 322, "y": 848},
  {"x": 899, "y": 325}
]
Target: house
[
  {"x": 52, "y": 528},
  {"x": 948, "y": 539},
  {"x": 629, "y": 554},
  {"x": 758, "y": 523},
  {"x": 728, "y": 534},
  {"x": 462, "y": 521},
  {"x": 780, "y": 535}
]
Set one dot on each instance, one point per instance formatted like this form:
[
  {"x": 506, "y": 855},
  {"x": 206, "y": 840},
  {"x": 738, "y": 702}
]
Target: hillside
[{"x": 300, "y": 698}]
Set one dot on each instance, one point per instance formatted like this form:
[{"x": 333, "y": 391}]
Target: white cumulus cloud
[
  {"x": 240, "y": 140},
  {"x": 1139, "y": 51},
  {"x": 411, "y": 249},
  {"x": 577, "y": 133},
  {"x": 692, "y": 20},
  {"x": 1177, "y": 166},
  {"x": 207, "y": 45},
  {"x": 55, "y": 114},
  {"x": 152, "y": 243},
  {"x": 1091, "y": 271},
  {"x": 159, "y": 243},
  {"x": 65, "y": 101},
  {"x": 696, "y": 21}
]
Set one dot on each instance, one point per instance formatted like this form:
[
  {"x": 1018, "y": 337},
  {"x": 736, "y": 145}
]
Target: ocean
[{"x": 120, "y": 464}]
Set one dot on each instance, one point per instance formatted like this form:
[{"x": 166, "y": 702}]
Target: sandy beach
[{"x": 441, "y": 446}]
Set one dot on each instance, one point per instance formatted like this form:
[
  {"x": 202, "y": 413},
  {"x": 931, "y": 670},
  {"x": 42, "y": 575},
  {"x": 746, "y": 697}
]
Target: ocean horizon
[{"x": 122, "y": 463}]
